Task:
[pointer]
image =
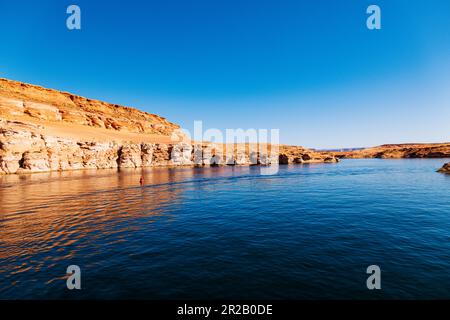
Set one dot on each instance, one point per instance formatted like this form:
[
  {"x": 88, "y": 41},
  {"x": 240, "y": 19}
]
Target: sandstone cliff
[
  {"x": 298, "y": 155},
  {"x": 392, "y": 151},
  {"x": 21, "y": 101},
  {"x": 47, "y": 130},
  {"x": 24, "y": 148}
]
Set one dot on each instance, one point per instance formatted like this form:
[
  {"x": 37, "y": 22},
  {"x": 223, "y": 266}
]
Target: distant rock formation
[
  {"x": 299, "y": 155},
  {"x": 47, "y": 130},
  {"x": 445, "y": 168},
  {"x": 393, "y": 151}
]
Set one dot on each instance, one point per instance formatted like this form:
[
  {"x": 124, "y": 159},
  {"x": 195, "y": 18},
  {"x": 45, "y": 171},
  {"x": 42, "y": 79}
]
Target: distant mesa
[{"x": 397, "y": 151}]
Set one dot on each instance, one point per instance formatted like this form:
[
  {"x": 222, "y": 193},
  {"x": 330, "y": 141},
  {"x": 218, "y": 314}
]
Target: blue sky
[{"x": 310, "y": 68}]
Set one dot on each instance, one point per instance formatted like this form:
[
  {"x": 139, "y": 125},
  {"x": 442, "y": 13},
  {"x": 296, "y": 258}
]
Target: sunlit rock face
[
  {"x": 23, "y": 150},
  {"x": 182, "y": 154},
  {"x": 301, "y": 155},
  {"x": 397, "y": 151},
  {"x": 48, "y": 130},
  {"x": 147, "y": 154},
  {"x": 26, "y": 101},
  {"x": 130, "y": 156}
]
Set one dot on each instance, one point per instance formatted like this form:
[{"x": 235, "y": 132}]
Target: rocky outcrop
[
  {"x": 393, "y": 151},
  {"x": 47, "y": 130},
  {"x": 445, "y": 168},
  {"x": 299, "y": 155},
  {"x": 23, "y": 149},
  {"x": 22, "y": 101}
]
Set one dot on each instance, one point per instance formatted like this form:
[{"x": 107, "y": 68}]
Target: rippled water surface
[{"x": 307, "y": 232}]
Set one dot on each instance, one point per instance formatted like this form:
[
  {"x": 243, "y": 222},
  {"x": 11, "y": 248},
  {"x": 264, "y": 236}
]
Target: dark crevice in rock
[
  {"x": 119, "y": 156},
  {"x": 22, "y": 161}
]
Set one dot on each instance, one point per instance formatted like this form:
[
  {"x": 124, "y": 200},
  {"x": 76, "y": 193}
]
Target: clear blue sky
[{"x": 310, "y": 68}]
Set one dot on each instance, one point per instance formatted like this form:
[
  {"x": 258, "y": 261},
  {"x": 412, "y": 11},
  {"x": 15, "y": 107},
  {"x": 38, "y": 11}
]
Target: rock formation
[
  {"x": 299, "y": 155},
  {"x": 47, "y": 130},
  {"x": 24, "y": 149},
  {"x": 392, "y": 151},
  {"x": 29, "y": 102},
  {"x": 445, "y": 168}
]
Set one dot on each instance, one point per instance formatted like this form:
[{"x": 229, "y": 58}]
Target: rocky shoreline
[
  {"x": 48, "y": 130},
  {"x": 445, "y": 168},
  {"x": 23, "y": 149}
]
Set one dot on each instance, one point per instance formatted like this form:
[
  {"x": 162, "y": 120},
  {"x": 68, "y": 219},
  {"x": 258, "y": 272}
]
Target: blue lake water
[{"x": 309, "y": 231}]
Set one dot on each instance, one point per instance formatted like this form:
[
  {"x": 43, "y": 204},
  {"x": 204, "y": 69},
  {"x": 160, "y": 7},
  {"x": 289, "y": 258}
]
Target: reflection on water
[
  {"x": 308, "y": 231},
  {"x": 39, "y": 208},
  {"x": 47, "y": 218}
]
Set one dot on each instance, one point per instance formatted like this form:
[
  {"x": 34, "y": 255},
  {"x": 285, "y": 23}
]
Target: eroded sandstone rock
[
  {"x": 445, "y": 168},
  {"x": 130, "y": 156},
  {"x": 396, "y": 151},
  {"x": 147, "y": 154},
  {"x": 182, "y": 154},
  {"x": 32, "y": 102},
  {"x": 48, "y": 130},
  {"x": 23, "y": 150},
  {"x": 161, "y": 155}
]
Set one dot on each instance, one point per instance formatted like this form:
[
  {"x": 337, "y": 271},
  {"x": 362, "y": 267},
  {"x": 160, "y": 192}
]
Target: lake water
[{"x": 309, "y": 231}]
